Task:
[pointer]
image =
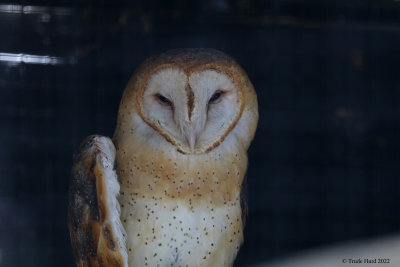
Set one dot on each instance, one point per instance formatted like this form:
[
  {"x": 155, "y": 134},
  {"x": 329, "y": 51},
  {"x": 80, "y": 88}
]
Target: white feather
[{"x": 112, "y": 192}]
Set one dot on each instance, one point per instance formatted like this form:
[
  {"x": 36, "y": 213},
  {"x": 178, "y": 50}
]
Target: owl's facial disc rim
[{"x": 171, "y": 138}]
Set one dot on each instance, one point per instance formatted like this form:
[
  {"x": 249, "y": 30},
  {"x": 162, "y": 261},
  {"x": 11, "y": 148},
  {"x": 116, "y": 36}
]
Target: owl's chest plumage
[
  {"x": 169, "y": 234},
  {"x": 181, "y": 214}
]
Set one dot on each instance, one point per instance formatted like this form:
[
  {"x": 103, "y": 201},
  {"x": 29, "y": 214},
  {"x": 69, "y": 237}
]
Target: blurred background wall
[{"x": 325, "y": 162}]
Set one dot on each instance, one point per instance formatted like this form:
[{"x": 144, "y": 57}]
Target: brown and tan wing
[{"x": 97, "y": 235}]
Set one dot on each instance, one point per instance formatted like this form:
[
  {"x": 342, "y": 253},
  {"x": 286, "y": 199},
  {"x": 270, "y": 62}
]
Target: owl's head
[{"x": 192, "y": 98}]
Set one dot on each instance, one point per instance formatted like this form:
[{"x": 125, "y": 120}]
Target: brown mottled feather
[{"x": 92, "y": 237}]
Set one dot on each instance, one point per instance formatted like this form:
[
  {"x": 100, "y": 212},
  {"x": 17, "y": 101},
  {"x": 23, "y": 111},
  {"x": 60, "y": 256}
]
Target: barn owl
[{"x": 167, "y": 190}]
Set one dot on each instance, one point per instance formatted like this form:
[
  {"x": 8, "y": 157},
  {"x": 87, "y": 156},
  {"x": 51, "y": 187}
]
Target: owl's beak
[
  {"x": 191, "y": 131},
  {"x": 191, "y": 138},
  {"x": 190, "y": 134}
]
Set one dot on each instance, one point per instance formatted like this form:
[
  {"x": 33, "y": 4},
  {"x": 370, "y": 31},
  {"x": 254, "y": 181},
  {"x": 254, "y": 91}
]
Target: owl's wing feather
[{"x": 97, "y": 234}]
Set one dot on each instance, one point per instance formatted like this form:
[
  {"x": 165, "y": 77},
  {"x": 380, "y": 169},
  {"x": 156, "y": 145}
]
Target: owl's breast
[
  {"x": 179, "y": 210},
  {"x": 170, "y": 233}
]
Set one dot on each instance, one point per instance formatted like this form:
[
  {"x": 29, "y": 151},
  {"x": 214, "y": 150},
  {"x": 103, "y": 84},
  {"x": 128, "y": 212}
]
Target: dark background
[{"x": 325, "y": 162}]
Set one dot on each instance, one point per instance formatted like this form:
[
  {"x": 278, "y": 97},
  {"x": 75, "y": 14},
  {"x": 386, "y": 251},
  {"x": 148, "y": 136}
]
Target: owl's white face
[{"x": 193, "y": 112}]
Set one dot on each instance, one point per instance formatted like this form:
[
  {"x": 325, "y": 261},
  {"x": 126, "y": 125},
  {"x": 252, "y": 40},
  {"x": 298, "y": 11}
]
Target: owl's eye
[
  {"x": 163, "y": 100},
  {"x": 215, "y": 97}
]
